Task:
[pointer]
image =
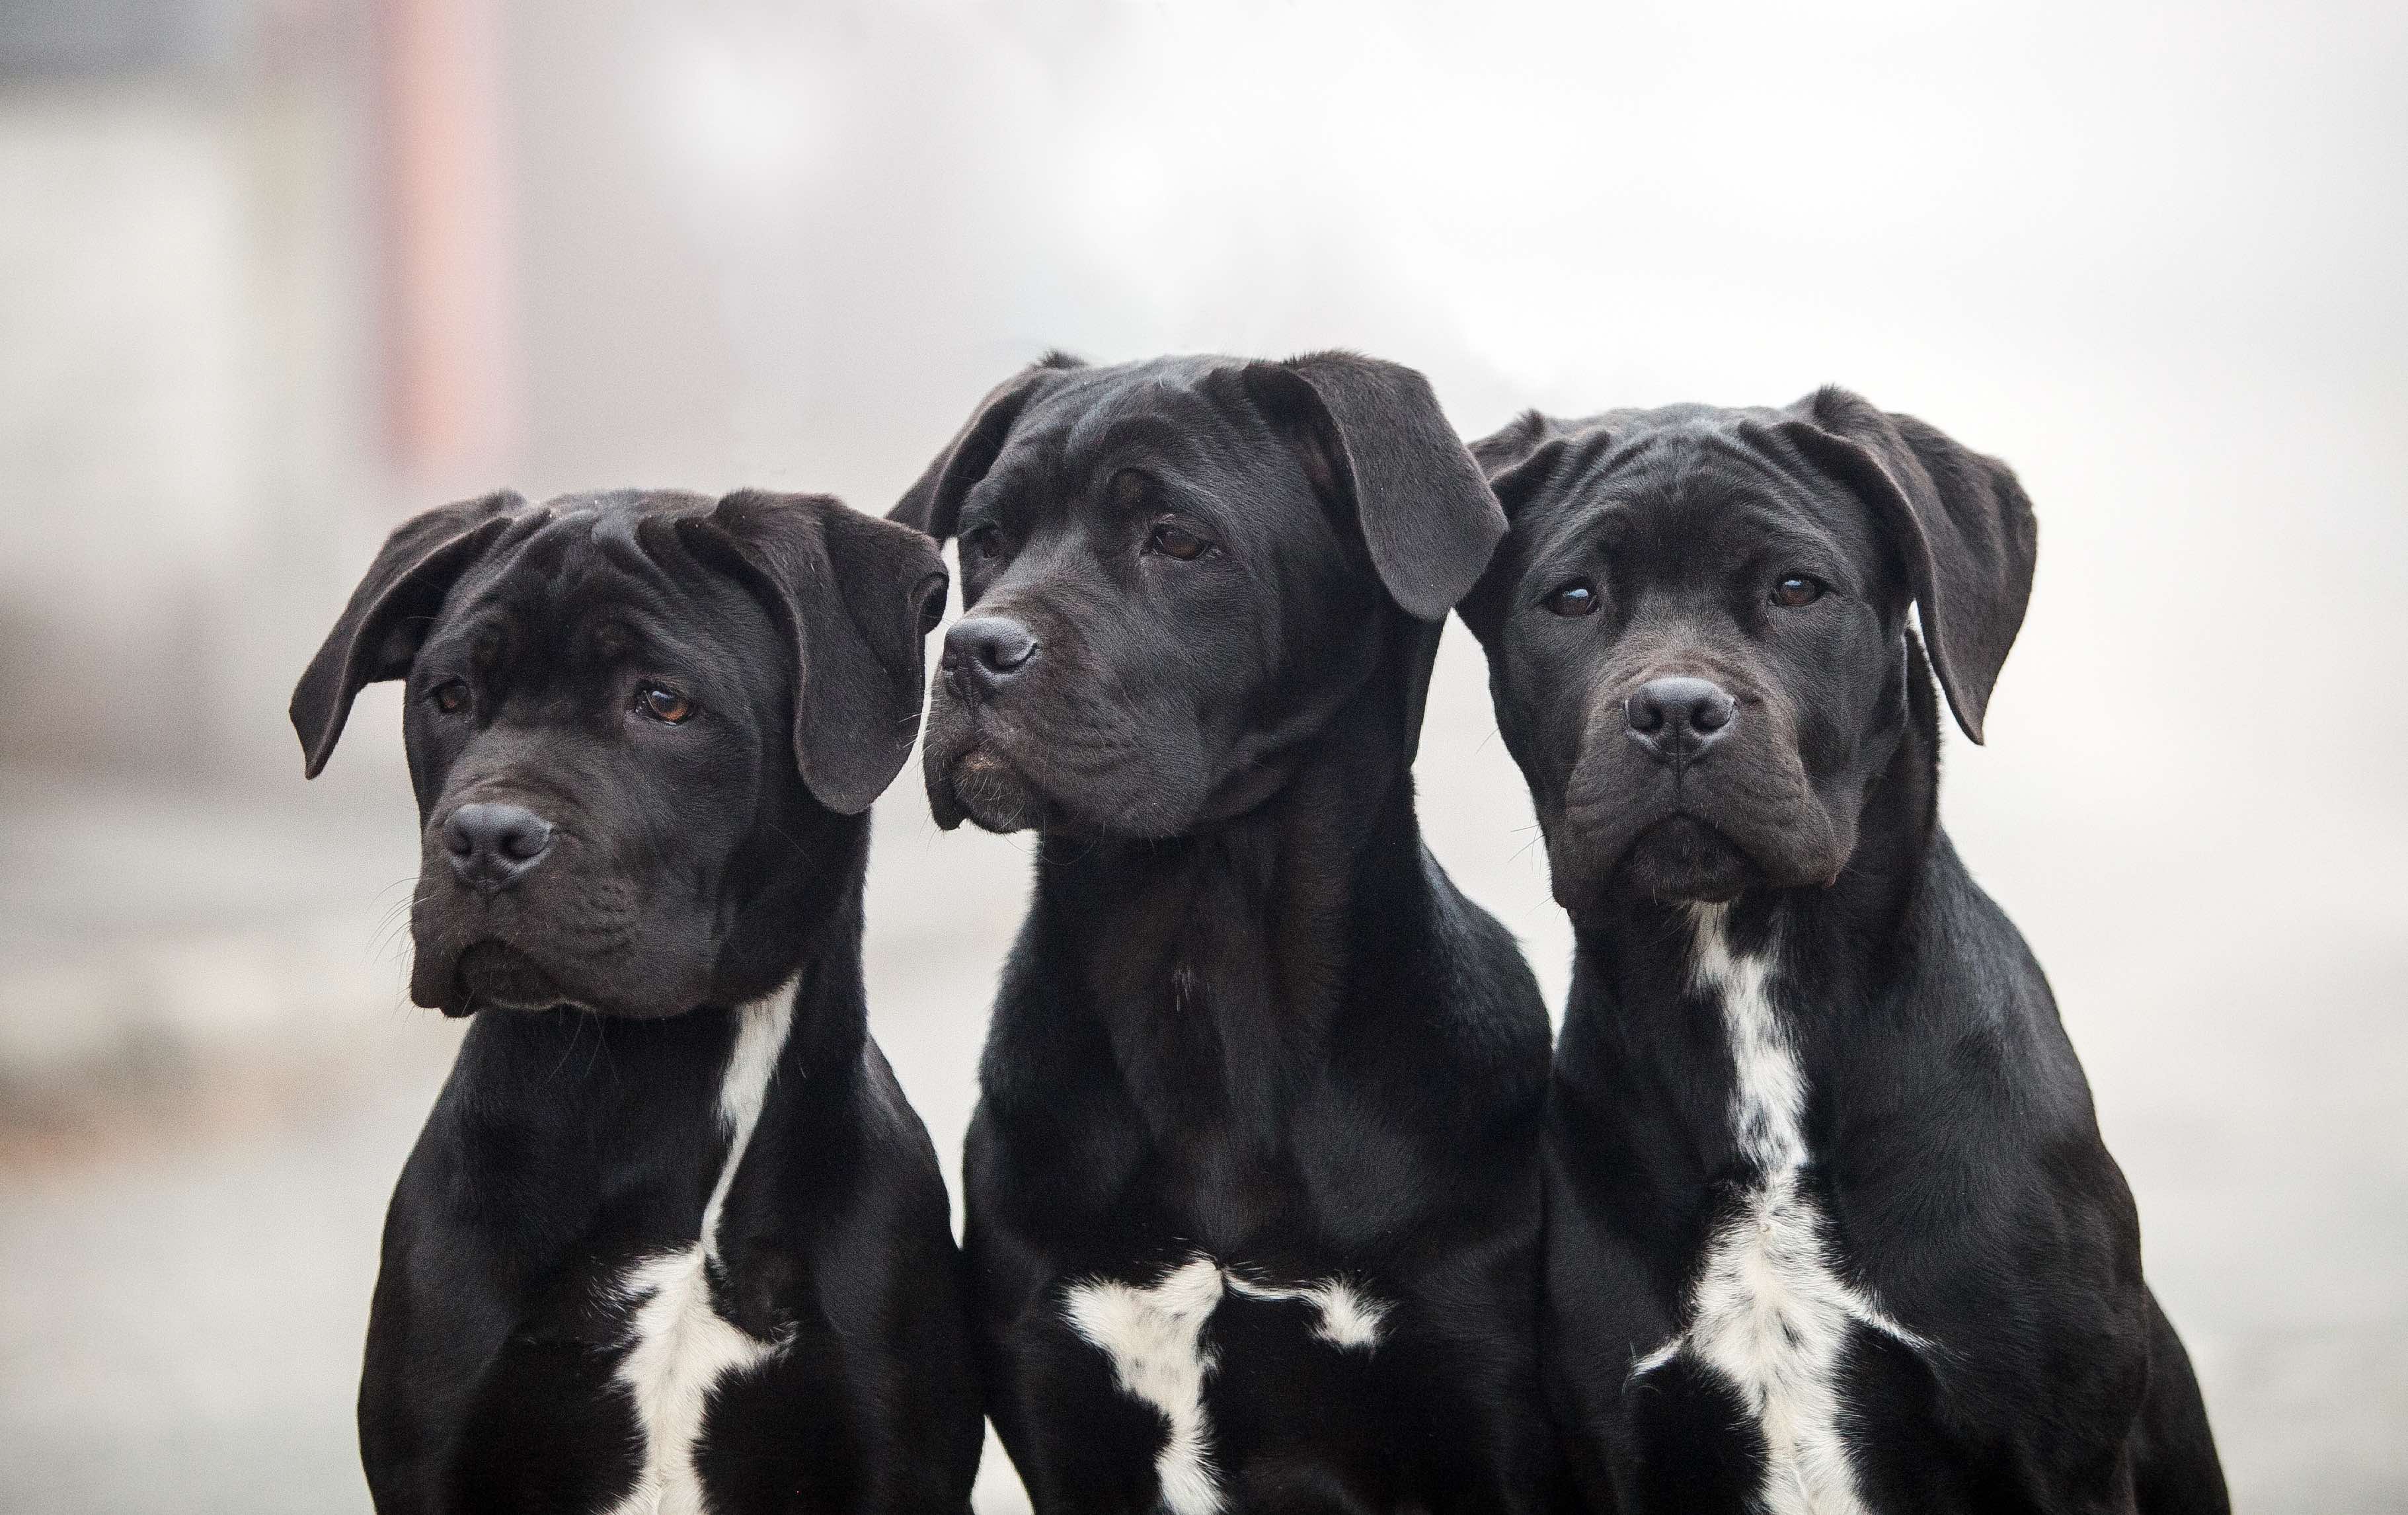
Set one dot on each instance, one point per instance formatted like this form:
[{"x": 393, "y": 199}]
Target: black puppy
[
  {"x": 1830, "y": 1227},
  {"x": 1253, "y": 1185},
  {"x": 671, "y": 1239}
]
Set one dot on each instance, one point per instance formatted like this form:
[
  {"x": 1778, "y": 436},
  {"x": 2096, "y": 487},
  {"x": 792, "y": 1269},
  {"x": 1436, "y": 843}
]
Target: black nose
[
  {"x": 494, "y": 846},
  {"x": 1677, "y": 719},
  {"x": 985, "y": 651}
]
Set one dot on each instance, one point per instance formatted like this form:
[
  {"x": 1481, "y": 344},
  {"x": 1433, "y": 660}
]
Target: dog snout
[
  {"x": 492, "y": 845},
  {"x": 1676, "y": 719},
  {"x": 985, "y": 651}
]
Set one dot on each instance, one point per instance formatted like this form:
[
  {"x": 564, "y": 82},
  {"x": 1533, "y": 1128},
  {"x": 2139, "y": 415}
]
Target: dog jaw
[
  {"x": 1683, "y": 859},
  {"x": 1007, "y": 770},
  {"x": 1703, "y": 837},
  {"x": 490, "y": 973},
  {"x": 967, "y": 777},
  {"x": 982, "y": 787},
  {"x": 461, "y": 968}
]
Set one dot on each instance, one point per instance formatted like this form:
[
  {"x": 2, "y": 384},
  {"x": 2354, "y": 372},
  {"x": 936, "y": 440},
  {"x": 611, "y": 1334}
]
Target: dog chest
[
  {"x": 678, "y": 1347},
  {"x": 1154, "y": 1332},
  {"x": 1770, "y": 1310}
]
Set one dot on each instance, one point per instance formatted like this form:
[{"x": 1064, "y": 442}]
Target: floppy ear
[
  {"x": 379, "y": 631},
  {"x": 1961, "y": 521},
  {"x": 1518, "y": 458},
  {"x": 934, "y": 502},
  {"x": 858, "y": 597},
  {"x": 1372, "y": 435}
]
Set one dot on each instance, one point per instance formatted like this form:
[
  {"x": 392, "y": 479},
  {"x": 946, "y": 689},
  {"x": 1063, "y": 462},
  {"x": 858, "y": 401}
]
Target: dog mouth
[
  {"x": 1683, "y": 859},
  {"x": 970, "y": 776},
  {"x": 1063, "y": 765},
  {"x": 493, "y": 974},
  {"x": 1668, "y": 851},
  {"x": 986, "y": 790}
]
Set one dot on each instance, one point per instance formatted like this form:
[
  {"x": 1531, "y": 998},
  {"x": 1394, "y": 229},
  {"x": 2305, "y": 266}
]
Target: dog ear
[
  {"x": 1518, "y": 458},
  {"x": 858, "y": 597},
  {"x": 1372, "y": 435},
  {"x": 379, "y": 634},
  {"x": 934, "y": 502},
  {"x": 1961, "y": 521}
]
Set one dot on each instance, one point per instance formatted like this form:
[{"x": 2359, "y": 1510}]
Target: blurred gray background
[{"x": 275, "y": 273}]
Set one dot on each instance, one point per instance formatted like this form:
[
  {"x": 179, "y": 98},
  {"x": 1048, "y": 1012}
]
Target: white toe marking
[
  {"x": 677, "y": 1346},
  {"x": 1154, "y": 1334},
  {"x": 1769, "y": 1309}
]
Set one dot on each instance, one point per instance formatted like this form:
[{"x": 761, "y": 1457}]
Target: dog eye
[
  {"x": 664, "y": 704},
  {"x": 1577, "y": 598},
  {"x": 983, "y": 543},
  {"x": 1796, "y": 590},
  {"x": 1176, "y": 542},
  {"x": 450, "y": 696}
]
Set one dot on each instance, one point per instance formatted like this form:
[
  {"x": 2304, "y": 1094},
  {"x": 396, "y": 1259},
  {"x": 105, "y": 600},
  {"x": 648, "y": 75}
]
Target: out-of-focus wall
[
  {"x": 181, "y": 395},
  {"x": 275, "y": 273}
]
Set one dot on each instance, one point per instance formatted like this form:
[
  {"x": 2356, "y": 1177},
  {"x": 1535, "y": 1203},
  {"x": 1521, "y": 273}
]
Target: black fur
[
  {"x": 1951, "y": 1141},
  {"x": 691, "y": 867},
  {"x": 1248, "y": 1016}
]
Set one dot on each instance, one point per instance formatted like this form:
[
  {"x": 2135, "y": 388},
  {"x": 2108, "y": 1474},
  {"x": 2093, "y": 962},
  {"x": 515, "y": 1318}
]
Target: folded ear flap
[
  {"x": 1372, "y": 435},
  {"x": 858, "y": 597},
  {"x": 1961, "y": 521},
  {"x": 379, "y": 633},
  {"x": 934, "y": 502},
  {"x": 1518, "y": 458}
]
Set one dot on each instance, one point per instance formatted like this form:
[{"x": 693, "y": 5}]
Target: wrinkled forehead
[
  {"x": 599, "y": 575},
  {"x": 1177, "y": 415},
  {"x": 1691, "y": 483}
]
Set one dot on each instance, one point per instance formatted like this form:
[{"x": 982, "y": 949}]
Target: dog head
[
  {"x": 1697, "y": 638},
  {"x": 636, "y": 722},
  {"x": 1175, "y": 572}
]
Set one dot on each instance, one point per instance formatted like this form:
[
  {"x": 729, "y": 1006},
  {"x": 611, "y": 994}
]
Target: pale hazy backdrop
[{"x": 275, "y": 273}]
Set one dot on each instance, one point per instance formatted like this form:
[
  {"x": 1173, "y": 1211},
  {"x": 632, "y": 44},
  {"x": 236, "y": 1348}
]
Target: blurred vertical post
[{"x": 451, "y": 361}]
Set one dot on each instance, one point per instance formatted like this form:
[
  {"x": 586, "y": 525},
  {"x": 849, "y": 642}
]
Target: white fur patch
[
  {"x": 1350, "y": 1319},
  {"x": 677, "y": 1346},
  {"x": 1769, "y": 1311},
  {"x": 1154, "y": 1338},
  {"x": 1154, "y": 1334}
]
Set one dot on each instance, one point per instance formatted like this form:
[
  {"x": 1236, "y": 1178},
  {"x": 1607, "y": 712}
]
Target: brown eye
[
  {"x": 664, "y": 704},
  {"x": 1796, "y": 590},
  {"x": 983, "y": 543},
  {"x": 450, "y": 697},
  {"x": 1176, "y": 542},
  {"x": 1577, "y": 598}
]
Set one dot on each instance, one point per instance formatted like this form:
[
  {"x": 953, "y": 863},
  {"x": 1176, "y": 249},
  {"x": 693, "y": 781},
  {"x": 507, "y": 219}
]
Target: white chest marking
[
  {"x": 677, "y": 1346},
  {"x": 1154, "y": 1334},
  {"x": 1770, "y": 1312}
]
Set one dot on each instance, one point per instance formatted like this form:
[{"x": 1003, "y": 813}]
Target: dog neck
[{"x": 1216, "y": 961}]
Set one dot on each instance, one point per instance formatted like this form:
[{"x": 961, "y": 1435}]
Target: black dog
[
  {"x": 1252, "y": 1186},
  {"x": 671, "y": 1238},
  {"x": 1830, "y": 1227}
]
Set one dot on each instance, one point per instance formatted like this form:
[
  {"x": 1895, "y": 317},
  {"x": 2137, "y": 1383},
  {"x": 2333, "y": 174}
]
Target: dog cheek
[
  {"x": 1801, "y": 833},
  {"x": 1174, "y": 779}
]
